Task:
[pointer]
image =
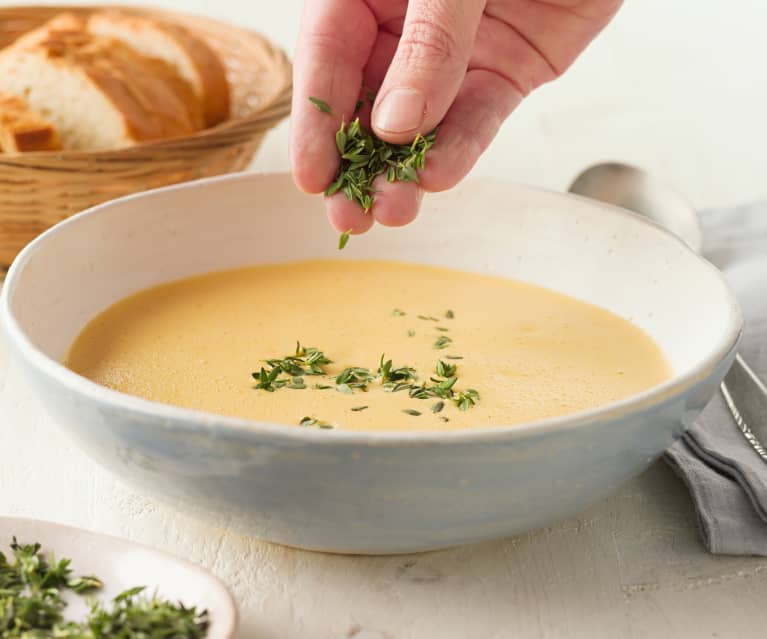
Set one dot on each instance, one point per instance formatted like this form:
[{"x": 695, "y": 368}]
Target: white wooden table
[{"x": 675, "y": 86}]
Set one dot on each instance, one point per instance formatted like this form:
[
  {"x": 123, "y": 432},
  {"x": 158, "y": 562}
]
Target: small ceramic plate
[{"x": 122, "y": 565}]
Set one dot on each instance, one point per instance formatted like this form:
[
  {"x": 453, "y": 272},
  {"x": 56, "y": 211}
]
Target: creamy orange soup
[{"x": 520, "y": 352}]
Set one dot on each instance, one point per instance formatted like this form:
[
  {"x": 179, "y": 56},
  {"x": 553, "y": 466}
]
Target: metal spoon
[{"x": 631, "y": 188}]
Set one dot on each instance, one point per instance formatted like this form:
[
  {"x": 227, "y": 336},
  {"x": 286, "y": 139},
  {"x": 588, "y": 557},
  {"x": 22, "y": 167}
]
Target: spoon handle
[{"x": 759, "y": 388}]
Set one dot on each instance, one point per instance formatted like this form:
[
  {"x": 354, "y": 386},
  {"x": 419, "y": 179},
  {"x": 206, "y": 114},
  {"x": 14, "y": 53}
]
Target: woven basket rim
[{"x": 275, "y": 108}]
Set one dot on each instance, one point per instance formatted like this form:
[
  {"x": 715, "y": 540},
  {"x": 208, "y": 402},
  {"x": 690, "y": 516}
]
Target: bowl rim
[
  {"x": 222, "y": 426},
  {"x": 227, "y": 625}
]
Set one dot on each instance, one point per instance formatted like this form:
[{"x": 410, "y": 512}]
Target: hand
[{"x": 462, "y": 64}]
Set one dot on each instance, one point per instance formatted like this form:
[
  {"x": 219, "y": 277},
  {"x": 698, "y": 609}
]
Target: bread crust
[
  {"x": 152, "y": 101},
  {"x": 23, "y": 130},
  {"x": 203, "y": 67}
]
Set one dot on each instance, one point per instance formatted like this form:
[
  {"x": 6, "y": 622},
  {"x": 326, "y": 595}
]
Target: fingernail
[{"x": 401, "y": 111}]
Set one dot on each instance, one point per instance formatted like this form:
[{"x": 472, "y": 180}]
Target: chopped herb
[
  {"x": 364, "y": 157},
  {"x": 428, "y": 318},
  {"x": 306, "y": 361},
  {"x": 410, "y": 411},
  {"x": 466, "y": 399},
  {"x": 444, "y": 419},
  {"x": 355, "y": 377},
  {"x": 267, "y": 380},
  {"x": 450, "y": 315},
  {"x": 419, "y": 392},
  {"x": 411, "y": 333},
  {"x": 396, "y": 388},
  {"x": 321, "y": 105},
  {"x": 133, "y": 615},
  {"x": 442, "y": 329},
  {"x": 444, "y": 388},
  {"x": 313, "y": 358},
  {"x": 343, "y": 239},
  {"x": 83, "y": 585},
  {"x": 291, "y": 371},
  {"x": 445, "y": 370},
  {"x": 359, "y": 409},
  {"x": 313, "y": 421},
  {"x": 371, "y": 96},
  {"x": 389, "y": 374},
  {"x": 297, "y": 383},
  {"x": 32, "y": 604},
  {"x": 358, "y": 106},
  {"x": 398, "y": 313}
]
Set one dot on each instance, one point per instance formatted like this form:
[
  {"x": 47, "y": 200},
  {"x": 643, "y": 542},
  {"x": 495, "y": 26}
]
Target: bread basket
[{"x": 37, "y": 190}]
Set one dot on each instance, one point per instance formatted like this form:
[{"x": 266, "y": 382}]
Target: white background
[{"x": 677, "y": 86}]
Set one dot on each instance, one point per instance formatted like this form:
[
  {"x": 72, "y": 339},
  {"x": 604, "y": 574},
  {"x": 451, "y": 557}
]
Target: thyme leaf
[
  {"x": 364, "y": 156},
  {"x": 321, "y": 105}
]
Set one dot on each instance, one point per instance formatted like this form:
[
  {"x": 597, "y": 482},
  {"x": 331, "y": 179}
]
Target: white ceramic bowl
[
  {"x": 122, "y": 564},
  {"x": 363, "y": 492}
]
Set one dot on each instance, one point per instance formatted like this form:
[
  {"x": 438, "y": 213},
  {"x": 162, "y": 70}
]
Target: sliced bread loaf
[
  {"x": 23, "y": 130},
  {"x": 99, "y": 92},
  {"x": 192, "y": 57}
]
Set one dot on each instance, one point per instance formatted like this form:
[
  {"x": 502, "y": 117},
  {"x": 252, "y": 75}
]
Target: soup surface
[{"x": 519, "y": 352}]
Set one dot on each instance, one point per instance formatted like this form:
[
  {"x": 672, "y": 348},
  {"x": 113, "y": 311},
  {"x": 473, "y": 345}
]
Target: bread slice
[
  {"x": 98, "y": 91},
  {"x": 22, "y": 130},
  {"x": 192, "y": 57},
  {"x": 63, "y": 22}
]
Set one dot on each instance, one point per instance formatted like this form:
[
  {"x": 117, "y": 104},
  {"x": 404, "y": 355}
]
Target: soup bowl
[{"x": 358, "y": 492}]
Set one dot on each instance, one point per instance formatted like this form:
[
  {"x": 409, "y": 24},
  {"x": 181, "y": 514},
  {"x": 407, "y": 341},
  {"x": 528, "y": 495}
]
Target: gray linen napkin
[{"x": 725, "y": 476}]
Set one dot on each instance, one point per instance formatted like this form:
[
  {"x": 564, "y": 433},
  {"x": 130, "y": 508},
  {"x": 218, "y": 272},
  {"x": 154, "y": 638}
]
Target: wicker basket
[{"x": 37, "y": 190}]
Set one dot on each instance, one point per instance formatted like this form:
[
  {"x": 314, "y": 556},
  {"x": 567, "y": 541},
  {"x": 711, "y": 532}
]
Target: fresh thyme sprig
[
  {"x": 132, "y": 615},
  {"x": 32, "y": 605},
  {"x": 364, "y": 157}
]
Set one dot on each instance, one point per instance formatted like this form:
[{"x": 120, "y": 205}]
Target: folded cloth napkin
[{"x": 726, "y": 477}]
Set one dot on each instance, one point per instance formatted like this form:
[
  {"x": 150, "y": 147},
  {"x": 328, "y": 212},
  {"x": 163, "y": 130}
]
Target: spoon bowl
[{"x": 633, "y": 189}]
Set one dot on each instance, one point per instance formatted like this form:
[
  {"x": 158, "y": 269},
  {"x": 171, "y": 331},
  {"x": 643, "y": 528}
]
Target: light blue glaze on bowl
[{"x": 365, "y": 492}]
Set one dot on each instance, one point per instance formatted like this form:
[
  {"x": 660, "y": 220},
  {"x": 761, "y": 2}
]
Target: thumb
[{"x": 428, "y": 67}]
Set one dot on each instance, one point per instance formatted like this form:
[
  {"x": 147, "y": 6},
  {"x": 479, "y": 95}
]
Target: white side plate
[{"x": 122, "y": 565}]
